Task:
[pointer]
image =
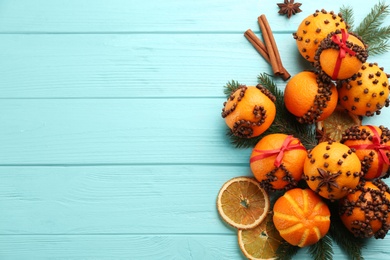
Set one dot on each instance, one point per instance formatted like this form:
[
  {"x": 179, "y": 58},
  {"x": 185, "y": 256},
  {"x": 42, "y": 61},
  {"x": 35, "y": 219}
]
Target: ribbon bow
[
  {"x": 342, "y": 43},
  {"x": 378, "y": 147},
  {"x": 286, "y": 146}
]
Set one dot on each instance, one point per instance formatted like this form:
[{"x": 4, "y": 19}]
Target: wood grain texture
[
  {"x": 112, "y": 141},
  {"x": 118, "y": 131},
  {"x": 166, "y": 199},
  {"x": 152, "y": 16},
  {"x": 109, "y": 247},
  {"x": 130, "y": 66}
]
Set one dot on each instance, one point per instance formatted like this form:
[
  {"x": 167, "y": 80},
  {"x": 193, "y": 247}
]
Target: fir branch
[
  {"x": 348, "y": 16},
  {"x": 373, "y": 20},
  {"x": 285, "y": 122},
  {"x": 322, "y": 250},
  {"x": 239, "y": 142},
  {"x": 231, "y": 87},
  {"x": 379, "y": 48},
  {"x": 350, "y": 244},
  {"x": 286, "y": 251},
  {"x": 371, "y": 31}
]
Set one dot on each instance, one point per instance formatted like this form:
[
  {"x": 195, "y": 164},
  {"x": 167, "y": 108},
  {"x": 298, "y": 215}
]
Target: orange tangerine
[
  {"x": 249, "y": 111},
  {"x": 277, "y": 161},
  {"x": 372, "y": 146},
  {"x": 365, "y": 211},
  {"x": 340, "y": 55},
  {"x": 332, "y": 170},
  {"x": 313, "y": 29},
  {"x": 367, "y": 93},
  {"x": 308, "y": 98},
  {"x": 301, "y": 217}
]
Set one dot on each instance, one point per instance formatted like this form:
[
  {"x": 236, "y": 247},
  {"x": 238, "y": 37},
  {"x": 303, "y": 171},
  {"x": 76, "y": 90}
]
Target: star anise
[
  {"x": 289, "y": 8},
  {"x": 327, "y": 179}
]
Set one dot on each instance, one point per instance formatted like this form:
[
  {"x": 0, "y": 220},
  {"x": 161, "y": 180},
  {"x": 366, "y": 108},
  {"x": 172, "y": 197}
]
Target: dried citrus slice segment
[
  {"x": 333, "y": 127},
  {"x": 242, "y": 203},
  {"x": 260, "y": 242}
]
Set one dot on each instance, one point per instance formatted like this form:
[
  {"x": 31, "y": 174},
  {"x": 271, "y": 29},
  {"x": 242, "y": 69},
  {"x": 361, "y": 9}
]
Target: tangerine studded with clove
[
  {"x": 314, "y": 28},
  {"x": 372, "y": 146},
  {"x": 367, "y": 93},
  {"x": 365, "y": 212},
  {"x": 277, "y": 161},
  {"x": 309, "y": 98},
  {"x": 328, "y": 60},
  {"x": 301, "y": 217},
  {"x": 249, "y": 111},
  {"x": 332, "y": 170}
]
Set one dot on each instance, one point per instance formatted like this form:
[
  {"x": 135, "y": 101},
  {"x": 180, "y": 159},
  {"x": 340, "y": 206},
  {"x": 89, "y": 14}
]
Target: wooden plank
[
  {"x": 118, "y": 66},
  {"x": 146, "y": 247},
  {"x": 118, "y": 131},
  {"x": 115, "y": 131},
  {"x": 40, "y": 16},
  {"x": 120, "y": 247},
  {"x": 142, "y": 199}
]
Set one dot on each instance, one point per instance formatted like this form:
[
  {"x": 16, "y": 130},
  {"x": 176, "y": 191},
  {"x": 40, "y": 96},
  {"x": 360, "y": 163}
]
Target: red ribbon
[
  {"x": 378, "y": 147},
  {"x": 342, "y": 43},
  {"x": 286, "y": 146}
]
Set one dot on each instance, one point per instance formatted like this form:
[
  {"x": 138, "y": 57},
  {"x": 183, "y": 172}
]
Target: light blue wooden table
[{"x": 111, "y": 141}]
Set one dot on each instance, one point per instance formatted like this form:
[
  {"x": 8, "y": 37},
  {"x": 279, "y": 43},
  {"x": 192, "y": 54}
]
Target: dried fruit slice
[
  {"x": 260, "y": 242},
  {"x": 333, "y": 127},
  {"x": 242, "y": 203}
]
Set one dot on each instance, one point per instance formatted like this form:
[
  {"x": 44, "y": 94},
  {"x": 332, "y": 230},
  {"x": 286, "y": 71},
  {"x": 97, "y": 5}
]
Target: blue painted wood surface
[{"x": 112, "y": 144}]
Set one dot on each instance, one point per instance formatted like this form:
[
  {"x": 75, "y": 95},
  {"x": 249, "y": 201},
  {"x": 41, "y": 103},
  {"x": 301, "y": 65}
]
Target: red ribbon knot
[
  {"x": 342, "y": 43},
  {"x": 378, "y": 147},
  {"x": 286, "y": 146}
]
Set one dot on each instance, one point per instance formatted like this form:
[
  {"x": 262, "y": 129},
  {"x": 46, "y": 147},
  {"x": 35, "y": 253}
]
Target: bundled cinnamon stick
[{"x": 268, "y": 49}]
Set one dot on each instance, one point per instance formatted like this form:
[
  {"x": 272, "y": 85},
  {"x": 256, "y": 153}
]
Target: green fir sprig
[
  {"x": 348, "y": 15},
  {"x": 370, "y": 29},
  {"x": 347, "y": 242},
  {"x": 284, "y": 121},
  {"x": 286, "y": 251},
  {"x": 322, "y": 250}
]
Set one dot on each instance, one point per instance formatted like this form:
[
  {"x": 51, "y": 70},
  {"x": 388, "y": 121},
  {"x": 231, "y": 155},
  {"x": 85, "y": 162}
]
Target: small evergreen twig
[
  {"x": 347, "y": 242},
  {"x": 285, "y": 122},
  {"x": 322, "y": 250},
  {"x": 375, "y": 36},
  {"x": 231, "y": 87},
  {"x": 348, "y": 16},
  {"x": 286, "y": 251}
]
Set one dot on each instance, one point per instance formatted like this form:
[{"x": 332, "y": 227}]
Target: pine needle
[
  {"x": 285, "y": 122},
  {"x": 286, "y": 251},
  {"x": 371, "y": 31},
  {"x": 347, "y": 13},
  {"x": 350, "y": 244},
  {"x": 231, "y": 87},
  {"x": 322, "y": 250}
]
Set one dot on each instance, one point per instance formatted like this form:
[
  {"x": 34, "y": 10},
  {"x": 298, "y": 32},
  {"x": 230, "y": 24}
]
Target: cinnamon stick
[
  {"x": 272, "y": 48},
  {"x": 260, "y": 47},
  {"x": 257, "y": 44}
]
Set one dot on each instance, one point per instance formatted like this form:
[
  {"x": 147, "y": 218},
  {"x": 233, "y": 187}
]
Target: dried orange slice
[
  {"x": 242, "y": 203},
  {"x": 260, "y": 242},
  {"x": 333, "y": 127}
]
